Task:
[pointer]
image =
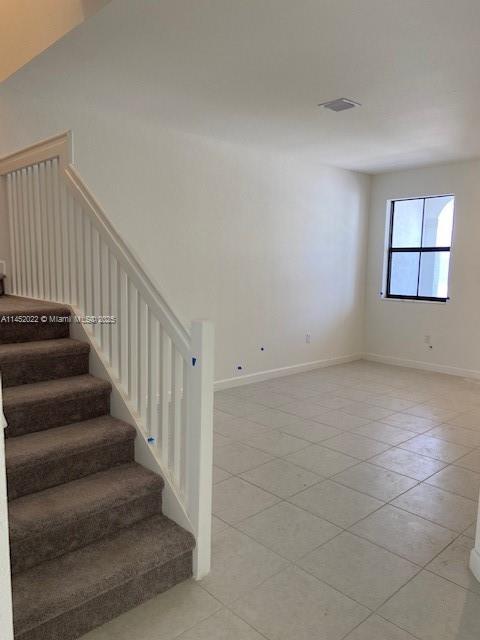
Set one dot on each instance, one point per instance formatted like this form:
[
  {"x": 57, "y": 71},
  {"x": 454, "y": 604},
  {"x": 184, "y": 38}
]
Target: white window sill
[{"x": 386, "y": 299}]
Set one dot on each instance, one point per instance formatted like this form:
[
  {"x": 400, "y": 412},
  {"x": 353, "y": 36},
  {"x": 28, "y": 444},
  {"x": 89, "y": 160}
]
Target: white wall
[
  {"x": 396, "y": 329},
  {"x": 268, "y": 247}
]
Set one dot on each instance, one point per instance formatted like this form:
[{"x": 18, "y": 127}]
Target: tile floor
[{"x": 345, "y": 502}]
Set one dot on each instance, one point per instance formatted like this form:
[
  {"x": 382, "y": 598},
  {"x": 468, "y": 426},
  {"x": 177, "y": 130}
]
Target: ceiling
[{"x": 253, "y": 71}]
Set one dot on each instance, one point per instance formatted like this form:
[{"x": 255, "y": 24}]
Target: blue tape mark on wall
[
  {"x": 151, "y": 440},
  {"x": 239, "y": 367},
  {"x": 194, "y": 362}
]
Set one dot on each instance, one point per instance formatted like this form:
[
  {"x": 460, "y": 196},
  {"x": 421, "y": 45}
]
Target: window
[{"x": 419, "y": 248}]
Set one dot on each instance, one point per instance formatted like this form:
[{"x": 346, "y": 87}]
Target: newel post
[
  {"x": 475, "y": 554},
  {"x": 200, "y": 443},
  {"x": 6, "y": 617}
]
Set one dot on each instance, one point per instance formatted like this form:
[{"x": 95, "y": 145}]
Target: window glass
[
  {"x": 404, "y": 273},
  {"x": 407, "y": 223},
  {"x": 438, "y": 222},
  {"x": 434, "y": 274}
]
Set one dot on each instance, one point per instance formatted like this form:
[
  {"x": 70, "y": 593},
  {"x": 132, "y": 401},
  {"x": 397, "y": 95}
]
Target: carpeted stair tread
[
  {"x": 34, "y": 449},
  {"x": 17, "y": 305},
  {"x": 54, "y": 403},
  {"x": 49, "y": 523},
  {"x": 65, "y": 597},
  {"x": 35, "y": 350},
  {"x": 74, "y": 501},
  {"x": 35, "y": 361},
  {"x": 43, "y": 329},
  {"x": 46, "y": 391},
  {"x": 40, "y": 460}
]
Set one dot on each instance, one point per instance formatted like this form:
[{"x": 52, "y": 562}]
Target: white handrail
[
  {"x": 6, "y": 617},
  {"x": 65, "y": 249}
]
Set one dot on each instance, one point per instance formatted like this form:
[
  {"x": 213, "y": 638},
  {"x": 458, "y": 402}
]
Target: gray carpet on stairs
[{"x": 88, "y": 538}]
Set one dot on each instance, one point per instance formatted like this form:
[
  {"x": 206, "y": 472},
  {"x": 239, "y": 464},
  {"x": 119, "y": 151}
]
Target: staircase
[{"x": 88, "y": 539}]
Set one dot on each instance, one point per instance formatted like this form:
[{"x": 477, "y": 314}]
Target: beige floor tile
[
  {"x": 281, "y": 478},
  {"x": 306, "y": 409},
  {"x": 310, "y": 430},
  {"x": 218, "y": 525},
  {"x": 405, "y": 534},
  {"x": 432, "y": 608},
  {"x": 238, "y": 564},
  {"x": 220, "y": 441},
  {"x": 375, "y": 481},
  {"x": 427, "y": 445},
  {"x": 224, "y": 625},
  {"x": 336, "y": 503},
  {"x": 220, "y": 418},
  {"x": 234, "y": 500},
  {"x": 408, "y": 463},
  {"x": 237, "y": 457},
  {"x": 392, "y": 403},
  {"x": 164, "y": 616},
  {"x": 343, "y": 421},
  {"x": 453, "y": 564},
  {"x": 443, "y": 508},
  {"x": 277, "y": 443},
  {"x": 376, "y": 628},
  {"x": 241, "y": 429},
  {"x": 219, "y": 475},
  {"x": 356, "y": 446},
  {"x": 331, "y": 402},
  {"x": 457, "y": 435},
  {"x": 470, "y": 461},
  {"x": 411, "y": 423},
  {"x": 364, "y": 410},
  {"x": 431, "y": 412},
  {"x": 325, "y": 462},
  {"x": 294, "y": 604},
  {"x": 457, "y": 480},
  {"x": 384, "y": 433},
  {"x": 268, "y": 398},
  {"x": 236, "y": 406},
  {"x": 471, "y": 531},
  {"x": 272, "y": 418},
  {"x": 469, "y": 420},
  {"x": 359, "y": 569},
  {"x": 288, "y": 530}
]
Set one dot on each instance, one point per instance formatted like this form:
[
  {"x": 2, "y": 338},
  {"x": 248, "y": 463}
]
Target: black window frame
[{"x": 419, "y": 250}]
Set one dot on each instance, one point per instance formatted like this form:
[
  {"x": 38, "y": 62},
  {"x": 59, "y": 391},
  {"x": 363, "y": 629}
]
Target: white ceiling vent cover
[{"x": 340, "y": 104}]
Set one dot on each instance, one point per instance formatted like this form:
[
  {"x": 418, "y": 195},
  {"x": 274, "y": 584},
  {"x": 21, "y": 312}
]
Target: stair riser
[
  {"x": 29, "y": 332},
  {"x": 56, "y": 413},
  {"x": 49, "y": 368},
  {"x": 95, "y": 612},
  {"x": 34, "y": 550},
  {"x": 67, "y": 468}
]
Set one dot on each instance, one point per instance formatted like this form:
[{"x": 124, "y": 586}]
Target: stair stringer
[{"x": 120, "y": 408}]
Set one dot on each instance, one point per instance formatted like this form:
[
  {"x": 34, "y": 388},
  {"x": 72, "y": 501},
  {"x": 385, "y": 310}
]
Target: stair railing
[
  {"x": 64, "y": 249},
  {"x": 6, "y": 618}
]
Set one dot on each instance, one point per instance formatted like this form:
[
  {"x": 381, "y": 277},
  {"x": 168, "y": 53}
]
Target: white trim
[
  {"x": 475, "y": 563},
  {"x": 261, "y": 376},
  {"x": 60, "y": 146},
  {"x": 424, "y": 366},
  {"x": 6, "y": 615}
]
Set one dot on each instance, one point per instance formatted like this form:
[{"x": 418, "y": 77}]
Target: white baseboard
[
  {"x": 424, "y": 366},
  {"x": 261, "y": 376},
  {"x": 475, "y": 563}
]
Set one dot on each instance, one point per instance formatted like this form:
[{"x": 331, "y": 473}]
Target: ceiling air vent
[{"x": 341, "y": 104}]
